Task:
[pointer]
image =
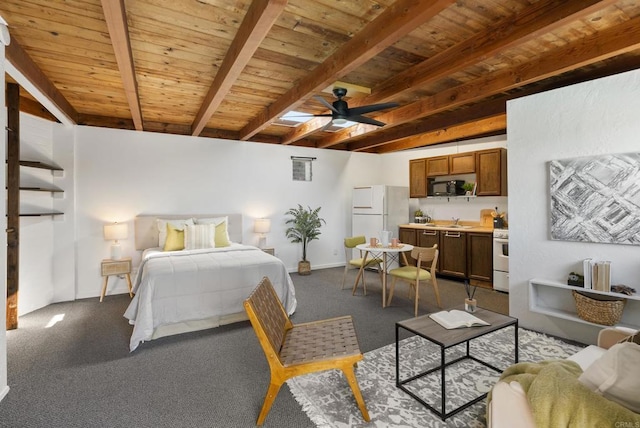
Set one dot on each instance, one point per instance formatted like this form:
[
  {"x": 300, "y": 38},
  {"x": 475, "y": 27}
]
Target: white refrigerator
[{"x": 377, "y": 208}]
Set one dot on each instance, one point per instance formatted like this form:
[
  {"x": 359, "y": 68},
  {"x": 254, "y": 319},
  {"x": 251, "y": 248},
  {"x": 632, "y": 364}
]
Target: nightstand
[
  {"x": 110, "y": 267},
  {"x": 271, "y": 251}
]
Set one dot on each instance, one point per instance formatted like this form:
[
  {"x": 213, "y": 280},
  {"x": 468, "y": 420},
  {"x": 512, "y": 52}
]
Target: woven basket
[{"x": 604, "y": 311}]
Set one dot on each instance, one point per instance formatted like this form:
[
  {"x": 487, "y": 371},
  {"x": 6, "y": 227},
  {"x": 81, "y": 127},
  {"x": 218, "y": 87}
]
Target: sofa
[{"x": 598, "y": 386}]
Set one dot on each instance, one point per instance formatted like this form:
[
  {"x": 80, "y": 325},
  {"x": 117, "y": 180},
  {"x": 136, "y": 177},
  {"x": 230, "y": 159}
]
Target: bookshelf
[{"x": 554, "y": 299}]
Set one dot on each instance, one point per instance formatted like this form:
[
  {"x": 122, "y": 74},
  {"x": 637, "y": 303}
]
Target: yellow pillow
[
  {"x": 175, "y": 239},
  {"x": 222, "y": 236}
]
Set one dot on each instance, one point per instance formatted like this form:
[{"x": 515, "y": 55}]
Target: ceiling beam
[
  {"x": 475, "y": 112},
  {"x": 116, "y": 16},
  {"x": 396, "y": 21},
  {"x": 260, "y": 17},
  {"x": 540, "y": 18},
  {"x": 488, "y": 126},
  {"x": 24, "y": 71},
  {"x": 310, "y": 127},
  {"x": 589, "y": 50}
]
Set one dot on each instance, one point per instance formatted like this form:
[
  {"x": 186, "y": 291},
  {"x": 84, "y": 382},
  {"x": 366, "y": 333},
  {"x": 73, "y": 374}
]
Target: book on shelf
[
  {"x": 456, "y": 319},
  {"x": 597, "y": 275}
]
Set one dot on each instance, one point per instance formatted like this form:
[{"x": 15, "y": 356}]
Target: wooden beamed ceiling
[{"x": 230, "y": 69}]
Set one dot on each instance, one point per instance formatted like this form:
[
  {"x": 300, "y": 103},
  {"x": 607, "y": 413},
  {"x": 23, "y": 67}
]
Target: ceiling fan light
[{"x": 339, "y": 121}]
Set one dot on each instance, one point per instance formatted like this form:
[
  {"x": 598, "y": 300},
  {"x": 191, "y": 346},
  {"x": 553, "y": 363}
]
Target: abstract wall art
[{"x": 596, "y": 199}]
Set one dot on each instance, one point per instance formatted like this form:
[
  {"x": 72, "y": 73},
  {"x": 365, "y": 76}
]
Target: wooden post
[{"x": 13, "y": 203}]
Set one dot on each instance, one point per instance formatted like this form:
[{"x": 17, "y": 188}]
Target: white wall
[
  {"x": 120, "y": 174},
  {"x": 592, "y": 118}
]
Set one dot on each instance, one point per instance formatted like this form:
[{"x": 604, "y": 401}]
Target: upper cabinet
[
  {"x": 490, "y": 167},
  {"x": 417, "y": 178},
  {"x": 437, "y": 166},
  {"x": 462, "y": 163}
]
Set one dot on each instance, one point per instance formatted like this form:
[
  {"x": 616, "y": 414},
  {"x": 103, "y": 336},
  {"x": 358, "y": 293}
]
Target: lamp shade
[
  {"x": 262, "y": 225},
  {"x": 115, "y": 231}
]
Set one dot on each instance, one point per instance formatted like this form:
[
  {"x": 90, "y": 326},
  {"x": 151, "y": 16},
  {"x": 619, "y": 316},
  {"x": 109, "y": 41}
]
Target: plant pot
[{"x": 304, "y": 267}]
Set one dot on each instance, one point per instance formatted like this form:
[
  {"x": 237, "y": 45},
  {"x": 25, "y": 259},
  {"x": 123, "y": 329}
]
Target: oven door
[
  {"x": 501, "y": 281},
  {"x": 501, "y": 254}
]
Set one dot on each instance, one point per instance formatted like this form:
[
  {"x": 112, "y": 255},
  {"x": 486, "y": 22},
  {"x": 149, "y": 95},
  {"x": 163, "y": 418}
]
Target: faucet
[{"x": 455, "y": 220}]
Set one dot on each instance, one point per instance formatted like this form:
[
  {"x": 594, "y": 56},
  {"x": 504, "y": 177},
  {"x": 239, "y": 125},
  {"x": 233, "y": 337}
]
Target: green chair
[
  {"x": 349, "y": 245},
  {"x": 414, "y": 274}
]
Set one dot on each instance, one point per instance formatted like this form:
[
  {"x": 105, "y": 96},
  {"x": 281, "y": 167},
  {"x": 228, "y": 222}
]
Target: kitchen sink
[{"x": 452, "y": 226}]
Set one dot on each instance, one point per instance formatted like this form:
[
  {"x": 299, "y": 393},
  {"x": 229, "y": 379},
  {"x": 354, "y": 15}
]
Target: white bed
[{"x": 188, "y": 290}]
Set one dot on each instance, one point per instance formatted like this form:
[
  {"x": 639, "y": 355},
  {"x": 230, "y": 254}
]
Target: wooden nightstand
[
  {"x": 115, "y": 267},
  {"x": 271, "y": 251}
]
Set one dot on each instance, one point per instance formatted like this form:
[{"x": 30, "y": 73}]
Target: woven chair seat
[{"x": 317, "y": 341}]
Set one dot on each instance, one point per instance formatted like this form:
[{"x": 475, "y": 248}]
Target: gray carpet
[{"x": 79, "y": 372}]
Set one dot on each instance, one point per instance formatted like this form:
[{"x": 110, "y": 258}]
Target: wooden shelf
[
  {"x": 40, "y": 165},
  {"x": 545, "y": 297},
  {"x": 42, "y": 189},
  {"x": 42, "y": 214}
]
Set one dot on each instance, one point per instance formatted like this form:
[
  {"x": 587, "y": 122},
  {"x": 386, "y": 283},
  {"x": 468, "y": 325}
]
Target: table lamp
[
  {"x": 262, "y": 226},
  {"x": 113, "y": 232}
]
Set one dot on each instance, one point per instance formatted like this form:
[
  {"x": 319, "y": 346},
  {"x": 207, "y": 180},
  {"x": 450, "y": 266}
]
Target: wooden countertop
[{"x": 443, "y": 226}]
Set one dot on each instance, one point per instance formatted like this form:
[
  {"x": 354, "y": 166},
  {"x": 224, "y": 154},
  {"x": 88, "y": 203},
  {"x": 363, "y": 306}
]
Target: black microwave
[{"x": 445, "y": 188}]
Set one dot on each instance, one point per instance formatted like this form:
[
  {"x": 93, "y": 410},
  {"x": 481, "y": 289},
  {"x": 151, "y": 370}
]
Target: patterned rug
[{"x": 328, "y": 400}]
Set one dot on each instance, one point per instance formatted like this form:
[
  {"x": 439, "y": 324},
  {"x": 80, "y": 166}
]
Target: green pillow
[{"x": 175, "y": 239}]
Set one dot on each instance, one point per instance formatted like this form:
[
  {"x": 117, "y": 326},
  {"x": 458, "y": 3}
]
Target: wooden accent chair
[
  {"x": 414, "y": 274},
  {"x": 349, "y": 245},
  {"x": 304, "y": 348}
]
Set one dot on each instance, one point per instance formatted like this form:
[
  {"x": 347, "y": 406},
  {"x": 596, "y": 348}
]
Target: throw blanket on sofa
[{"x": 558, "y": 399}]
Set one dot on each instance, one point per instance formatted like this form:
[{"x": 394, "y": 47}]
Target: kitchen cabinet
[
  {"x": 437, "y": 166},
  {"x": 462, "y": 163},
  {"x": 408, "y": 236},
  {"x": 453, "y": 254},
  {"x": 427, "y": 238},
  {"x": 491, "y": 170},
  {"x": 480, "y": 256},
  {"x": 418, "y": 178}
]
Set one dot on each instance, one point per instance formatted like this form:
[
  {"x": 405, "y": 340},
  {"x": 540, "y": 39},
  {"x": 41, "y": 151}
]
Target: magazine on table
[{"x": 456, "y": 319}]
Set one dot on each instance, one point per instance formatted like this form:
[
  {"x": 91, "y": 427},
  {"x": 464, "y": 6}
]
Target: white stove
[{"x": 501, "y": 260}]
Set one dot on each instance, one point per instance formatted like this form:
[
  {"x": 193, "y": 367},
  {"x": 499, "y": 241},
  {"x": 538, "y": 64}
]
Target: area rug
[{"x": 328, "y": 400}]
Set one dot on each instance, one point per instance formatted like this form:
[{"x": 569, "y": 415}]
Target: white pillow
[
  {"x": 615, "y": 375},
  {"x": 200, "y": 236},
  {"x": 223, "y": 238},
  {"x": 176, "y": 224}
]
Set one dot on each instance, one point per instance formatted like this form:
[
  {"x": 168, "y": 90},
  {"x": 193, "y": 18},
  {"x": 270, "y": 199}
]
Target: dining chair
[
  {"x": 356, "y": 263},
  {"x": 294, "y": 350},
  {"x": 415, "y": 274}
]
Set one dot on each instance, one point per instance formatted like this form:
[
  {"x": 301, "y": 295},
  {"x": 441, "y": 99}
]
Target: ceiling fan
[{"x": 341, "y": 113}]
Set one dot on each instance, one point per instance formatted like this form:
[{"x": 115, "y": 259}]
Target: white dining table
[{"x": 389, "y": 254}]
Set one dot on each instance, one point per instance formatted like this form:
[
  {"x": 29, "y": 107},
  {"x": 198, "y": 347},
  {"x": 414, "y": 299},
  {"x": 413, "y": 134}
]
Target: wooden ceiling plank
[
  {"x": 22, "y": 68},
  {"x": 259, "y": 19},
  {"x": 116, "y": 17},
  {"x": 398, "y": 20},
  {"x": 542, "y": 17},
  {"x": 606, "y": 44}
]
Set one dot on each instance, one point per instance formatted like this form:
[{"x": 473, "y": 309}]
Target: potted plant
[
  {"x": 469, "y": 188},
  {"x": 304, "y": 226}
]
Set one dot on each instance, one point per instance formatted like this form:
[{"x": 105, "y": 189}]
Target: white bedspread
[{"x": 179, "y": 286}]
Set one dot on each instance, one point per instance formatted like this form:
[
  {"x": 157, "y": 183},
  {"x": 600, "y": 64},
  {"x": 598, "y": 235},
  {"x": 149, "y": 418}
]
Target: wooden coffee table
[{"x": 430, "y": 330}]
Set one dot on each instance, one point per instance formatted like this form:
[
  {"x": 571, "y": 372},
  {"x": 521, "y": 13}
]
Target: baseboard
[
  {"x": 318, "y": 267},
  {"x": 4, "y": 392}
]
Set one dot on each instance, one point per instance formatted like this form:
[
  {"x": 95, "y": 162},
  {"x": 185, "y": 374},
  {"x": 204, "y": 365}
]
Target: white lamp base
[
  {"x": 116, "y": 251},
  {"x": 262, "y": 242}
]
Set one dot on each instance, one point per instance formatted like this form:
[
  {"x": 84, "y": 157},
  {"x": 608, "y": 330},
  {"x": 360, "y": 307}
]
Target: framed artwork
[{"x": 596, "y": 199}]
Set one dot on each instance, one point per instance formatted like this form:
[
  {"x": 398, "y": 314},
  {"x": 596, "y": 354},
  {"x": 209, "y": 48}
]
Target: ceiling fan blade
[
  {"x": 326, "y": 103},
  {"x": 365, "y": 119},
  {"x": 308, "y": 115},
  {"x": 371, "y": 108}
]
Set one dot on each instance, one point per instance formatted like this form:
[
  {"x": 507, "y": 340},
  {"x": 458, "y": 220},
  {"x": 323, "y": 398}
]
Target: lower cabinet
[
  {"x": 453, "y": 254},
  {"x": 467, "y": 255},
  {"x": 480, "y": 256}
]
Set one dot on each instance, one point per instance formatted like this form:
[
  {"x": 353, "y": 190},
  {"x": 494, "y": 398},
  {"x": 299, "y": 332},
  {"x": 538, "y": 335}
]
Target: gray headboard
[{"x": 147, "y": 230}]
